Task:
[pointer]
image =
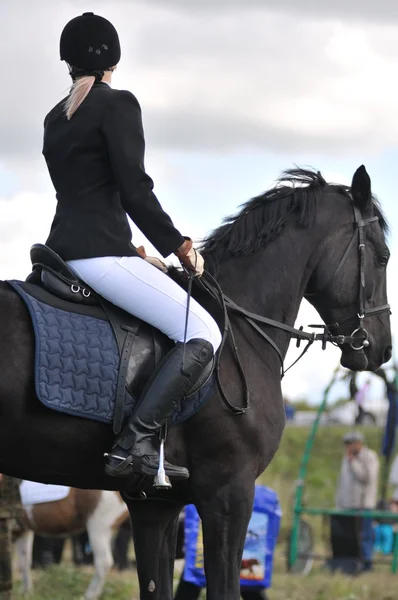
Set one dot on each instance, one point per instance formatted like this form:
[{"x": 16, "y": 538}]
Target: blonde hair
[{"x": 79, "y": 92}]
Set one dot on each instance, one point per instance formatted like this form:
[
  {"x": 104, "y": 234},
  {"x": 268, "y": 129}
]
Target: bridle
[{"x": 358, "y": 336}]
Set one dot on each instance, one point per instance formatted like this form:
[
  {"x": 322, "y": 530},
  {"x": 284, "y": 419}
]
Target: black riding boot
[{"x": 136, "y": 449}]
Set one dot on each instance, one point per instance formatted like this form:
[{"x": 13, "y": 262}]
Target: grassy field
[{"x": 67, "y": 583}]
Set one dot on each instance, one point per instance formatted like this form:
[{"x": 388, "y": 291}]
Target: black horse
[{"x": 289, "y": 243}]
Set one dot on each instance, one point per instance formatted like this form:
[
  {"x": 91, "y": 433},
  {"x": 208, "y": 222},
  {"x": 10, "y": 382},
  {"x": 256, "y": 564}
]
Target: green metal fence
[{"x": 299, "y": 509}]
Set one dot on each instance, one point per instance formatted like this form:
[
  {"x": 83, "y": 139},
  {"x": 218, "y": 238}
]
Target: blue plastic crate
[{"x": 258, "y": 554}]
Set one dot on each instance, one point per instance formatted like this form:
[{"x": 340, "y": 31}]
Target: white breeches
[{"x": 142, "y": 290}]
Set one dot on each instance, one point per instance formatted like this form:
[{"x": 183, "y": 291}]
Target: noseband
[{"x": 358, "y": 336}]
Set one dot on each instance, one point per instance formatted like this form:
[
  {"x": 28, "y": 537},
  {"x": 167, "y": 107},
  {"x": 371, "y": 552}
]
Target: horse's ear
[{"x": 361, "y": 189}]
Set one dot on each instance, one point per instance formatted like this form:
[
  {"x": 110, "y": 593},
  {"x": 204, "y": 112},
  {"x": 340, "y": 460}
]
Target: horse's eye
[{"x": 383, "y": 258}]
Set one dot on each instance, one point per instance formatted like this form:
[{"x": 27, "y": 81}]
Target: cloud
[
  {"x": 312, "y": 88},
  {"x": 25, "y": 218},
  {"x": 384, "y": 10},
  {"x": 247, "y": 77}
]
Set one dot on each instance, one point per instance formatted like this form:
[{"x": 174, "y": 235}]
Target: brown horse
[{"x": 98, "y": 512}]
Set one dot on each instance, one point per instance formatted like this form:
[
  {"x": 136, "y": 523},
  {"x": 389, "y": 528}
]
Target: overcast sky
[{"x": 232, "y": 93}]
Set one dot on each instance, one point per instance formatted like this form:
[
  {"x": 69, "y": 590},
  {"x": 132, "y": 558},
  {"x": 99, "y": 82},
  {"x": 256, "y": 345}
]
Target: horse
[
  {"x": 96, "y": 511},
  {"x": 302, "y": 238}
]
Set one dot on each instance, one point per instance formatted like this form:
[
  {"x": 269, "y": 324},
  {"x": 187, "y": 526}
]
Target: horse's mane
[{"x": 263, "y": 218}]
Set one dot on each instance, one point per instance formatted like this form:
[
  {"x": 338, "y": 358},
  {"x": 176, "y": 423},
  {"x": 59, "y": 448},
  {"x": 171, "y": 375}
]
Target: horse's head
[{"x": 348, "y": 285}]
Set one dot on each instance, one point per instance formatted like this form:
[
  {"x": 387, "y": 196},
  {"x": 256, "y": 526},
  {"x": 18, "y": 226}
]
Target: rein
[{"x": 358, "y": 336}]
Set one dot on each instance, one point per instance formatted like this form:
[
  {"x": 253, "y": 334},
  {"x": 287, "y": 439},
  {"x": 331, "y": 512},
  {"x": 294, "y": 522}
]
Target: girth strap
[
  {"x": 122, "y": 376},
  {"x": 125, "y": 337}
]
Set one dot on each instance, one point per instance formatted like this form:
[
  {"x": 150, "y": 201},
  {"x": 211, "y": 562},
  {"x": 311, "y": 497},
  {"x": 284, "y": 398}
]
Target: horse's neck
[{"x": 272, "y": 282}]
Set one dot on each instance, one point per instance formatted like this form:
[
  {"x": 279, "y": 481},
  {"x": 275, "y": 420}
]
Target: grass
[
  {"x": 68, "y": 583},
  {"x": 321, "y": 586}
]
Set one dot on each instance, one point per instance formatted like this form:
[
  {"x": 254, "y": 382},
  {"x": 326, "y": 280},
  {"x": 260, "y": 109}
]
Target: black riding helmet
[{"x": 90, "y": 42}]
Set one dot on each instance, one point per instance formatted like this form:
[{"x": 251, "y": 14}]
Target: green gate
[{"x": 298, "y": 525}]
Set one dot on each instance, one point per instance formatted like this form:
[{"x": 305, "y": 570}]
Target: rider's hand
[
  {"x": 156, "y": 262},
  {"x": 153, "y": 260},
  {"x": 190, "y": 258}
]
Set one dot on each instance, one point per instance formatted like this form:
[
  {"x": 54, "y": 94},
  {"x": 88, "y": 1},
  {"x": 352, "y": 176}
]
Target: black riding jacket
[{"x": 96, "y": 163}]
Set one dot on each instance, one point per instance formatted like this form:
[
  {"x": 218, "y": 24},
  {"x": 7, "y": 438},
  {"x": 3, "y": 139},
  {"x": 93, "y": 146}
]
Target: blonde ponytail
[{"x": 80, "y": 89}]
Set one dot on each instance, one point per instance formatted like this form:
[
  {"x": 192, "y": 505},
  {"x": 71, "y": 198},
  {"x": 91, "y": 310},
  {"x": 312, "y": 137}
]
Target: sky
[{"x": 232, "y": 92}]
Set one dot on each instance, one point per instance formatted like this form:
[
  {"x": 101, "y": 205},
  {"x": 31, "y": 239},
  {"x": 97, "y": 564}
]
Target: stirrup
[
  {"x": 161, "y": 481},
  {"x": 124, "y": 462}
]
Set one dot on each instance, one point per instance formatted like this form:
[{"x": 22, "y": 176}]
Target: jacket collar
[{"x": 102, "y": 84}]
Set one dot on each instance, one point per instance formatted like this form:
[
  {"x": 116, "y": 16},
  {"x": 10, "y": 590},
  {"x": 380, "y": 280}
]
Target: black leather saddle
[
  {"x": 58, "y": 278},
  {"x": 141, "y": 347}
]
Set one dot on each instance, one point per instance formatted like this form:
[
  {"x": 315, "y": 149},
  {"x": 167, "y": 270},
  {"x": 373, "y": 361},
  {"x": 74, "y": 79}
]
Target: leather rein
[{"x": 358, "y": 340}]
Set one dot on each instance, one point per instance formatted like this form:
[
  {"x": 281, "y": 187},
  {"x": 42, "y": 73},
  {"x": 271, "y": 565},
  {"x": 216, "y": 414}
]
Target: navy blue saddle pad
[{"x": 77, "y": 362}]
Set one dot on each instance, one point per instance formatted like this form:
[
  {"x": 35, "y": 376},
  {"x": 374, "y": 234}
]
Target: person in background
[
  {"x": 360, "y": 399},
  {"x": 357, "y": 487},
  {"x": 393, "y": 478},
  {"x": 48, "y": 551},
  {"x": 289, "y": 410}
]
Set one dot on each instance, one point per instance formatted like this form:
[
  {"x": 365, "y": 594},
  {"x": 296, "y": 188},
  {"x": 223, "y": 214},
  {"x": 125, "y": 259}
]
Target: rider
[{"x": 94, "y": 149}]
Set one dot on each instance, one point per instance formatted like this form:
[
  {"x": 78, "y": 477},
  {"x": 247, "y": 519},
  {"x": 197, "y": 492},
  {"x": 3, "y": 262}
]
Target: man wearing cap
[{"x": 357, "y": 487}]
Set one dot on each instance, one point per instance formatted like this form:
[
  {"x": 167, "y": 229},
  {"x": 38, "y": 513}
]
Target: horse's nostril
[{"x": 387, "y": 353}]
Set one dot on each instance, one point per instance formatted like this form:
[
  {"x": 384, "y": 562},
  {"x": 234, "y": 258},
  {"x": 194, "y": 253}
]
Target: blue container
[
  {"x": 258, "y": 554},
  {"x": 383, "y": 538}
]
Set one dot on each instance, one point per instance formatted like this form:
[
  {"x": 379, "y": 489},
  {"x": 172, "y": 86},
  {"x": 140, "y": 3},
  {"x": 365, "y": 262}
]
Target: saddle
[{"x": 141, "y": 347}]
